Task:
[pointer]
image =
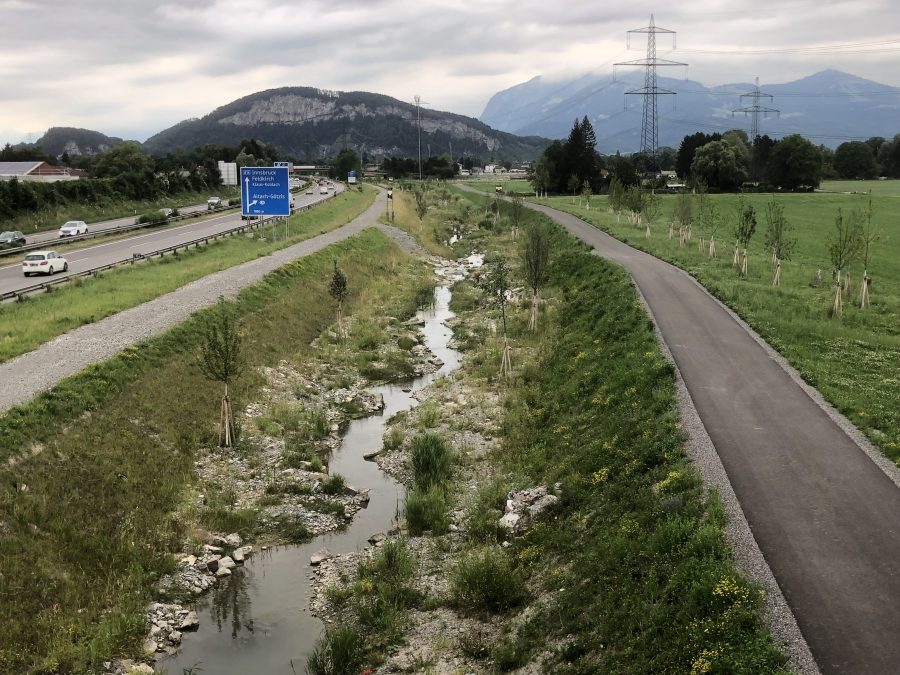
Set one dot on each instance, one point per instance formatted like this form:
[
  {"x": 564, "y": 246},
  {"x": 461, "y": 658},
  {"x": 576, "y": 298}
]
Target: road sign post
[{"x": 265, "y": 191}]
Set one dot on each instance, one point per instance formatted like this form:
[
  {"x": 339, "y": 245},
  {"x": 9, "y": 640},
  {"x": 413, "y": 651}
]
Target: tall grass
[
  {"x": 430, "y": 459},
  {"x": 339, "y": 651}
]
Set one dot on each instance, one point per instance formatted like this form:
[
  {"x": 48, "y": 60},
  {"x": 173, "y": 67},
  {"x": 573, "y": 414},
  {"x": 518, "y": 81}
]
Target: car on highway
[
  {"x": 213, "y": 203},
  {"x": 323, "y": 190},
  {"x": 44, "y": 262},
  {"x": 309, "y": 191},
  {"x": 11, "y": 239},
  {"x": 73, "y": 228}
]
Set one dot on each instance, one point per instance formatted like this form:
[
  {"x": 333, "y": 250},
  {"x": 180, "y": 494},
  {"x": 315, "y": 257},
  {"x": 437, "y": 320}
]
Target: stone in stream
[
  {"x": 227, "y": 562},
  {"x": 233, "y": 540},
  {"x": 223, "y": 572},
  {"x": 238, "y": 555},
  {"x": 319, "y": 557},
  {"x": 190, "y": 622},
  {"x": 376, "y": 538}
]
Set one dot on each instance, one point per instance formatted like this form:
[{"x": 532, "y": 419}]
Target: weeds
[
  {"x": 339, "y": 651},
  {"x": 426, "y": 510},
  {"x": 486, "y": 580},
  {"x": 430, "y": 460}
]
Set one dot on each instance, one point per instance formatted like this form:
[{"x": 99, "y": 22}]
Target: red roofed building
[{"x": 37, "y": 171}]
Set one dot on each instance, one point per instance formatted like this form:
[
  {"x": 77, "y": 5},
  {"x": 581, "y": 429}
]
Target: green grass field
[
  {"x": 488, "y": 183},
  {"x": 853, "y": 361},
  {"x": 28, "y": 324}
]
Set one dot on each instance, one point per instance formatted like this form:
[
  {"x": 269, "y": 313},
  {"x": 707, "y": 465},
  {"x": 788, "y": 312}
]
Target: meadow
[{"x": 854, "y": 360}]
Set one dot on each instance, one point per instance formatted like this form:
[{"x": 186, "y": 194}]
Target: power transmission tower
[
  {"x": 650, "y": 91},
  {"x": 755, "y": 110}
]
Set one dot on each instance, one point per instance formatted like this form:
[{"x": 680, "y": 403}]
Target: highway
[{"x": 143, "y": 242}]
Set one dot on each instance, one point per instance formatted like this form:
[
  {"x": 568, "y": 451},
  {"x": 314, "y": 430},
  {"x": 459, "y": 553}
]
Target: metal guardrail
[{"x": 137, "y": 257}]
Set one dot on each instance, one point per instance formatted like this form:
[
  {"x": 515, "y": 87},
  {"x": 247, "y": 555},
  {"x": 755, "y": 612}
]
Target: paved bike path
[{"x": 824, "y": 515}]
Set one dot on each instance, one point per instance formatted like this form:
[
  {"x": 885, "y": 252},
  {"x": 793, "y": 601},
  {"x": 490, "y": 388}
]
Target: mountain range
[
  {"x": 308, "y": 123},
  {"x": 828, "y": 107}
]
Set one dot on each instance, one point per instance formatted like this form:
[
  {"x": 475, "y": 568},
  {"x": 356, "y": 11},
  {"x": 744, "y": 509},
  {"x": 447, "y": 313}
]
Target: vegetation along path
[
  {"x": 25, "y": 376},
  {"x": 821, "y": 510}
]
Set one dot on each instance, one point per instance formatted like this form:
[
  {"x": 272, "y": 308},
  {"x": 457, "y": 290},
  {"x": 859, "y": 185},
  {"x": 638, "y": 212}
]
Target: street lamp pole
[{"x": 419, "y": 131}]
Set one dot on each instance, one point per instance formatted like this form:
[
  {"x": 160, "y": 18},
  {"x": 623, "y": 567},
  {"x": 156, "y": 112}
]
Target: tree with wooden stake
[
  {"x": 843, "y": 245},
  {"x": 586, "y": 193},
  {"x": 778, "y": 239},
  {"x": 338, "y": 290},
  {"x": 870, "y": 235},
  {"x": 497, "y": 286},
  {"x": 220, "y": 360},
  {"x": 683, "y": 215},
  {"x": 616, "y": 197},
  {"x": 651, "y": 210},
  {"x": 744, "y": 229},
  {"x": 573, "y": 184},
  {"x": 536, "y": 257},
  {"x": 421, "y": 204},
  {"x": 710, "y": 221},
  {"x": 516, "y": 204}
]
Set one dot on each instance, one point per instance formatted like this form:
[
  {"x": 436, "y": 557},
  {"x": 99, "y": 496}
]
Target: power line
[{"x": 875, "y": 47}]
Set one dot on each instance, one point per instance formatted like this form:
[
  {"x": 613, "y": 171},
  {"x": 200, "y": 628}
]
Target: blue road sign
[{"x": 264, "y": 191}]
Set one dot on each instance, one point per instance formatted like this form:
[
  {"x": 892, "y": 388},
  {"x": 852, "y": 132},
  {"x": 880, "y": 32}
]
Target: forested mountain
[
  {"x": 829, "y": 108},
  {"x": 75, "y": 142},
  {"x": 313, "y": 123}
]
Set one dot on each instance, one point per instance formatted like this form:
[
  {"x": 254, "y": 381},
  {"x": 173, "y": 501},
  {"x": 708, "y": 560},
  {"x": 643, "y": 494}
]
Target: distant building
[{"x": 40, "y": 172}]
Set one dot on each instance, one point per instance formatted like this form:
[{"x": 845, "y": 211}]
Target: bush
[
  {"x": 338, "y": 651},
  {"x": 426, "y": 510},
  {"x": 486, "y": 580},
  {"x": 484, "y": 513},
  {"x": 405, "y": 342},
  {"x": 155, "y": 216},
  {"x": 393, "y": 439},
  {"x": 334, "y": 485},
  {"x": 430, "y": 461}
]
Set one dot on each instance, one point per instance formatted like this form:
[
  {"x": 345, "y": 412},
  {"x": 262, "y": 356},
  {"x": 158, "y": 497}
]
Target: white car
[
  {"x": 44, "y": 262},
  {"x": 73, "y": 228},
  {"x": 323, "y": 190},
  {"x": 213, "y": 203}
]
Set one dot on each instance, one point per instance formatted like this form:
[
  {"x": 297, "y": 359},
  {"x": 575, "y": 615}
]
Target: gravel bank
[{"x": 26, "y": 376}]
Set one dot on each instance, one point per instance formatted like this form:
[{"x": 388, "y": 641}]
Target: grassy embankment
[
  {"x": 853, "y": 361},
  {"x": 630, "y": 572},
  {"x": 96, "y": 475},
  {"x": 28, "y": 324},
  {"x": 52, "y": 218}
]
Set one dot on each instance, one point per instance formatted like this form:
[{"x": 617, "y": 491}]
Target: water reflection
[{"x": 232, "y": 599}]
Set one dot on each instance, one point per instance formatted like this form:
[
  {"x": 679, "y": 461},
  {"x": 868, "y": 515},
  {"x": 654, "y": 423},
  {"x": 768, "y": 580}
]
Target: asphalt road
[
  {"x": 144, "y": 241},
  {"x": 824, "y": 515}
]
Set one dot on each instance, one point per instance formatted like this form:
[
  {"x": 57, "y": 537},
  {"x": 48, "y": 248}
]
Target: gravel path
[{"x": 27, "y": 375}]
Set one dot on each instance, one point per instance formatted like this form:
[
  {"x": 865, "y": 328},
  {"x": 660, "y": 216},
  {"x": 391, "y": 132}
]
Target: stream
[{"x": 258, "y": 621}]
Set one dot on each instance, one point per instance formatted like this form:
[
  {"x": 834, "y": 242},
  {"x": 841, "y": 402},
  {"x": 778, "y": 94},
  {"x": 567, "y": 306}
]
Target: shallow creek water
[{"x": 258, "y": 621}]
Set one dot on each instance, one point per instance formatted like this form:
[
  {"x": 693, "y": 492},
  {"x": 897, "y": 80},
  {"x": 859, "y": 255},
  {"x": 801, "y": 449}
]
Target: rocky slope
[{"x": 310, "y": 123}]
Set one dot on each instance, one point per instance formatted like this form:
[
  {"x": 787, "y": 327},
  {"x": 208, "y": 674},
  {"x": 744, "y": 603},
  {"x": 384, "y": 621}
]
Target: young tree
[
  {"x": 338, "y": 290},
  {"x": 536, "y": 259},
  {"x": 744, "y": 229},
  {"x": 684, "y": 216},
  {"x": 616, "y": 197},
  {"x": 220, "y": 360},
  {"x": 573, "y": 184},
  {"x": 497, "y": 287},
  {"x": 778, "y": 239},
  {"x": 586, "y": 194},
  {"x": 870, "y": 235},
  {"x": 516, "y": 204},
  {"x": 650, "y": 210},
  {"x": 843, "y": 245},
  {"x": 421, "y": 204}
]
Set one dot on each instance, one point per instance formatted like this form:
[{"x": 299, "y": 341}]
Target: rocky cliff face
[{"x": 312, "y": 123}]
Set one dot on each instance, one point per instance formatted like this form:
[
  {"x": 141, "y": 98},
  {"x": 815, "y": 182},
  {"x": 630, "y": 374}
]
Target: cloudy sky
[{"x": 131, "y": 68}]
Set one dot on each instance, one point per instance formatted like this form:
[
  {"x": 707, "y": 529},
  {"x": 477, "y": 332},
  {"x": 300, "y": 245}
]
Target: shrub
[
  {"x": 393, "y": 439},
  {"x": 393, "y": 563},
  {"x": 338, "y": 651},
  {"x": 405, "y": 342},
  {"x": 484, "y": 513},
  {"x": 426, "y": 510},
  {"x": 155, "y": 216},
  {"x": 429, "y": 416},
  {"x": 430, "y": 460},
  {"x": 334, "y": 485},
  {"x": 486, "y": 580}
]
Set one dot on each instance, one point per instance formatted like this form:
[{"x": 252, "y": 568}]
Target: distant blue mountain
[{"x": 828, "y": 108}]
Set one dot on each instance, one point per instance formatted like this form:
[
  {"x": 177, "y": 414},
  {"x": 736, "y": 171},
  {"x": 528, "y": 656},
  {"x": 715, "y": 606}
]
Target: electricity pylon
[
  {"x": 650, "y": 91},
  {"x": 755, "y": 110}
]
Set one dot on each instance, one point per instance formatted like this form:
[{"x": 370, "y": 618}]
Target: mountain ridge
[{"x": 828, "y": 107}]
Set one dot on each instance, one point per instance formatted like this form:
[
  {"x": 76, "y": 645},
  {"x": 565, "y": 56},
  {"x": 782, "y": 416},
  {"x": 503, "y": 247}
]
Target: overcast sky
[{"x": 131, "y": 68}]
